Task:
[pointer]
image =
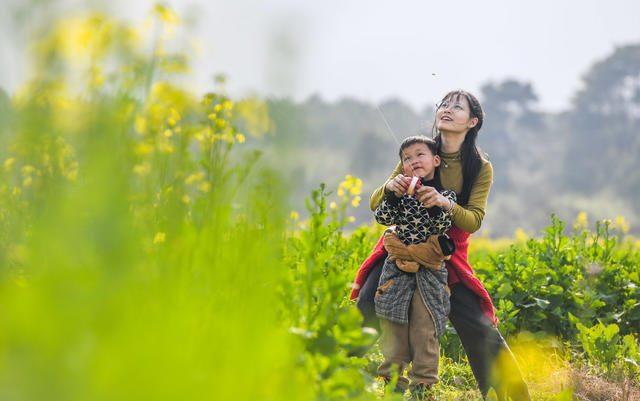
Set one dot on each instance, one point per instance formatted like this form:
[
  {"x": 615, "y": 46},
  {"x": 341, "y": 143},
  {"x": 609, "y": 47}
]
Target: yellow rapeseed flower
[
  {"x": 205, "y": 187},
  {"x": 168, "y": 133},
  {"x": 294, "y": 215},
  {"x": 8, "y": 164},
  {"x": 72, "y": 175},
  {"x": 581, "y": 221},
  {"x": 212, "y": 116},
  {"x": 166, "y": 14},
  {"x": 186, "y": 199},
  {"x": 27, "y": 181},
  {"x": 340, "y": 191},
  {"x": 240, "y": 138},
  {"x": 357, "y": 187},
  {"x": 355, "y": 202},
  {"x": 159, "y": 238},
  {"x": 255, "y": 114},
  {"x": 217, "y": 108},
  {"x": 140, "y": 125},
  {"x": 520, "y": 236},
  {"x": 227, "y": 104},
  {"x": 142, "y": 149},
  {"x": 27, "y": 170},
  {"x": 195, "y": 177},
  {"x": 351, "y": 219},
  {"x": 142, "y": 169},
  {"x": 332, "y": 205},
  {"x": 220, "y": 123},
  {"x": 166, "y": 148},
  {"x": 621, "y": 224}
]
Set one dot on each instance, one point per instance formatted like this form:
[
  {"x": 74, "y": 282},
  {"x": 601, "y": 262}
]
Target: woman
[{"x": 458, "y": 119}]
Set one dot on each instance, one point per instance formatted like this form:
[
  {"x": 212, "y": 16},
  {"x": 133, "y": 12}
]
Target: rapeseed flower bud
[
  {"x": 8, "y": 164},
  {"x": 159, "y": 238}
]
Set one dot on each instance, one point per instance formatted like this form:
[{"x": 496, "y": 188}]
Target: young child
[{"x": 412, "y": 300}]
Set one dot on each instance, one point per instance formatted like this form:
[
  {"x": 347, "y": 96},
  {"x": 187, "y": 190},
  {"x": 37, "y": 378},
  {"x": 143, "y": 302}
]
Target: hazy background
[{"x": 559, "y": 142}]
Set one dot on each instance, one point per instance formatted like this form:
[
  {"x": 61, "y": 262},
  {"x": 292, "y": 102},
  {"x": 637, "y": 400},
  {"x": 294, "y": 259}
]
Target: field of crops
[{"x": 147, "y": 252}]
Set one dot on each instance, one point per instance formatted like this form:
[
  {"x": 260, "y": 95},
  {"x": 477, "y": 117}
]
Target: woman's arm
[
  {"x": 378, "y": 194},
  {"x": 469, "y": 218}
]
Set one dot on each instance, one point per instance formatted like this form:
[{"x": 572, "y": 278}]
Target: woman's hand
[
  {"x": 430, "y": 197},
  {"x": 398, "y": 185}
]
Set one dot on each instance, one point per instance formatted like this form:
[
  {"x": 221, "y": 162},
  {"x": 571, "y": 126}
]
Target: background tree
[{"x": 604, "y": 133}]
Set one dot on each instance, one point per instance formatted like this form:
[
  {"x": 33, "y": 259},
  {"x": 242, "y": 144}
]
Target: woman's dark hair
[
  {"x": 469, "y": 151},
  {"x": 431, "y": 144}
]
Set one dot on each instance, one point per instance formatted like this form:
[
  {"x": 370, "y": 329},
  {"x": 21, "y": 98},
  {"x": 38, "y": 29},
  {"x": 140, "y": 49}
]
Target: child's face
[{"x": 418, "y": 160}]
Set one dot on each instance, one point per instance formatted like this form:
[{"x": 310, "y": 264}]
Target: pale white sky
[{"x": 374, "y": 50}]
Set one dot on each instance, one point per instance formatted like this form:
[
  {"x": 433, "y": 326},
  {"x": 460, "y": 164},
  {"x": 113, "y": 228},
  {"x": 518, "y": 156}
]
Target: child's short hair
[{"x": 431, "y": 144}]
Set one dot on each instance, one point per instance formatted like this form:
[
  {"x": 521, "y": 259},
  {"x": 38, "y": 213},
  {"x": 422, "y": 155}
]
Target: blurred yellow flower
[
  {"x": 357, "y": 187},
  {"x": 520, "y": 236},
  {"x": 351, "y": 219},
  {"x": 340, "y": 191},
  {"x": 142, "y": 149},
  {"x": 621, "y": 224},
  {"x": 186, "y": 199},
  {"x": 142, "y": 169},
  {"x": 166, "y": 148},
  {"x": 332, "y": 205},
  {"x": 240, "y": 138},
  {"x": 227, "y": 104},
  {"x": 217, "y": 108},
  {"x": 166, "y": 14},
  {"x": 72, "y": 175},
  {"x": 140, "y": 125},
  {"x": 220, "y": 123},
  {"x": 212, "y": 116},
  {"x": 27, "y": 170},
  {"x": 255, "y": 114},
  {"x": 294, "y": 215},
  {"x": 27, "y": 181},
  {"x": 195, "y": 177},
  {"x": 168, "y": 133},
  {"x": 581, "y": 221},
  {"x": 8, "y": 164},
  {"x": 355, "y": 202},
  {"x": 159, "y": 238},
  {"x": 205, "y": 186}
]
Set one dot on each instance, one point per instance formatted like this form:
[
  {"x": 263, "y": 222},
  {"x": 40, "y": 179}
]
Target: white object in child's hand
[{"x": 412, "y": 186}]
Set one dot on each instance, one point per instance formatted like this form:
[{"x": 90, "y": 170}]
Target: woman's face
[{"x": 454, "y": 115}]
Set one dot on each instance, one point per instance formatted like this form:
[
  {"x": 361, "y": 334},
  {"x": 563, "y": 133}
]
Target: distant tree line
[{"x": 580, "y": 159}]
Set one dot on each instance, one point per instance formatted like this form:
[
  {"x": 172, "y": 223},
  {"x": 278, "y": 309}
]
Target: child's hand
[
  {"x": 430, "y": 197},
  {"x": 398, "y": 185}
]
